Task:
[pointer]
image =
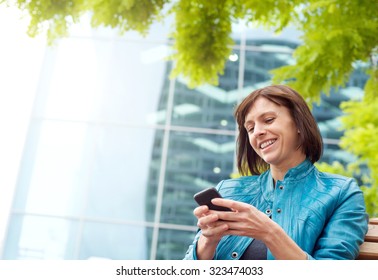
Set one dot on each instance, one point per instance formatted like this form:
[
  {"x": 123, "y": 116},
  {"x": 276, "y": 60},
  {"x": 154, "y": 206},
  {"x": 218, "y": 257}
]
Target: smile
[{"x": 267, "y": 143}]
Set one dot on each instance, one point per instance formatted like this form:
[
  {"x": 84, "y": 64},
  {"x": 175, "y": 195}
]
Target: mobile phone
[{"x": 204, "y": 198}]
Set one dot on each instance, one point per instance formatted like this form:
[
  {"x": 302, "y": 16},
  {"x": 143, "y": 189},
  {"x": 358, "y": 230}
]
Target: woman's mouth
[{"x": 267, "y": 143}]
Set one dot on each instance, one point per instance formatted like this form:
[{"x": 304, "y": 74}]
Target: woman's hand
[
  {"x": 212, "y": 231},
  {"x": 210, "y": 224},
  {"x": 244, "y": 220}
]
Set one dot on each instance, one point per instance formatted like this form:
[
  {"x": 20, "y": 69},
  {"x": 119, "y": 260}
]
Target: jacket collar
[
  {"x": 296, "y": 173},
  {"x": 299, "y": 171}
]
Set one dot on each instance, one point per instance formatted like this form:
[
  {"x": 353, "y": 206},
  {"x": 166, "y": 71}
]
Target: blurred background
[{"x": 101, "y": 152}]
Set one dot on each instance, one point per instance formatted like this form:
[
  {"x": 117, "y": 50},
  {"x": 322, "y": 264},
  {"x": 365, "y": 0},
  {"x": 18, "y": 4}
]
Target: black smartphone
[{"x": 204, "y": 198}]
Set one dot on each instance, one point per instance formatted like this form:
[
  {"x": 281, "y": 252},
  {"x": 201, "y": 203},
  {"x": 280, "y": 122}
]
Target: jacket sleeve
[
  {"x": 346, "y": 228},
  {"x": 191, "y": 253}
]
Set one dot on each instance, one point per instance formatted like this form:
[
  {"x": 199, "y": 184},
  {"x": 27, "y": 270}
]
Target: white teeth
[{"x": 267, "y": 143}]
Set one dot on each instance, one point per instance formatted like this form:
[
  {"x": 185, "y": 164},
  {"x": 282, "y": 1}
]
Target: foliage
[
  {"x": 208, "y": 50},
  {"x": 56, "y": 16},
  {"x": 52, "y": 16},
  {"x": 125, "y": 14},
  {"x": 360, "y": 138},
  {"x": 336, "y": 34},
  {"x": 334, "y": 37},
  {"x": 202, "y": 36}
]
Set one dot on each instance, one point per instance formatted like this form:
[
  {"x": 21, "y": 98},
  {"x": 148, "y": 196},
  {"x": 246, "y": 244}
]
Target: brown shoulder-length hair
[{"x": 248, "y": 161}]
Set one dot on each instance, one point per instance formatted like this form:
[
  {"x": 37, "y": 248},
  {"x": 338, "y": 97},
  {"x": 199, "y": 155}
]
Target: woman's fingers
[
  {"x": 207, "y": 220},
  {"x": 200, "y": 211},
  {"x": 244, "y": 219},
  {"x": 234, "y": 205},
  {"x": 216, "y": 231}
]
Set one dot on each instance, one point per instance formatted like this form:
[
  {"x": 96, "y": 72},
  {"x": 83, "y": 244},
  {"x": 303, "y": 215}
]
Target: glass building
[{"x": 115, "y": 149}]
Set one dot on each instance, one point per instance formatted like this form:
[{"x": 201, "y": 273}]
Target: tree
[{"x": 336, "y": 35}]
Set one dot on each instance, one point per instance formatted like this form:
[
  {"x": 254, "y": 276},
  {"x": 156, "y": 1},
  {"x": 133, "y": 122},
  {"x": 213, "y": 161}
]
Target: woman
[{"x": 287, "y": 209}]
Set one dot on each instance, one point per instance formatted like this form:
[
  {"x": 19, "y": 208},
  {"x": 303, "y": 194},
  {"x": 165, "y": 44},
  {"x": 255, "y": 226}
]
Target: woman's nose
[{"x": 258, "y": 131}]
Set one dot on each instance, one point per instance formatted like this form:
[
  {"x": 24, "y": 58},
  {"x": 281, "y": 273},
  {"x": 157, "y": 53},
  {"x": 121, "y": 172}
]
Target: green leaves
[
  {"x": 125, "y": 14},
  {"x": 55, "y": 16},
  {"x": 360, "y": 138},
  {"x": 334, "y": 36},
  {"x": 202, "y": 40},
  {"x": 51, "y": 16},
  {"x": 335, "y": 32}
]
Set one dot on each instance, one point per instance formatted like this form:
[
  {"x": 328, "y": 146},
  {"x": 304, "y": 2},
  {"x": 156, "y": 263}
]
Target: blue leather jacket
[{"x": 323, "y": 213}]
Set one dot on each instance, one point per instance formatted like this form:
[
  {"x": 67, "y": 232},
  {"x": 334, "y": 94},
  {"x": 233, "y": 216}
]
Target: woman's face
[{"x": 273, "y": 134}]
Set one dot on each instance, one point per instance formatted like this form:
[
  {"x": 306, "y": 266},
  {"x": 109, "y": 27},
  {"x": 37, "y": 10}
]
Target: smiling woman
[
  {"x": 277, "y": 107},
  {"x": 287, "y": 209},
  {"x": 273, "y": 135}
]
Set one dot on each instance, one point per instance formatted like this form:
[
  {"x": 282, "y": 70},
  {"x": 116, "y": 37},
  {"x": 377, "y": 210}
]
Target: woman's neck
[{"x": 279, "y": 172}]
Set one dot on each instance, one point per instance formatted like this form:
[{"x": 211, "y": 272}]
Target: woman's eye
[
  {"x": 269, "y": 120},
  {"x": 250, "y": 129}
]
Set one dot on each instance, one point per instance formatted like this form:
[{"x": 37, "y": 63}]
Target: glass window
[
  {"x": 98, "y": 80},
  {"x": 83, "y": 168},
  {"x": 37, "y": 237},
  {"x": 202, "y": 161},
  {"x": 114, "y": 241},
  {"x": 208, "y": 106},
  {"x": 173, "y": 244},
  {"x": 126, "y": 163},
  {"x": 56, "y": 169}
]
